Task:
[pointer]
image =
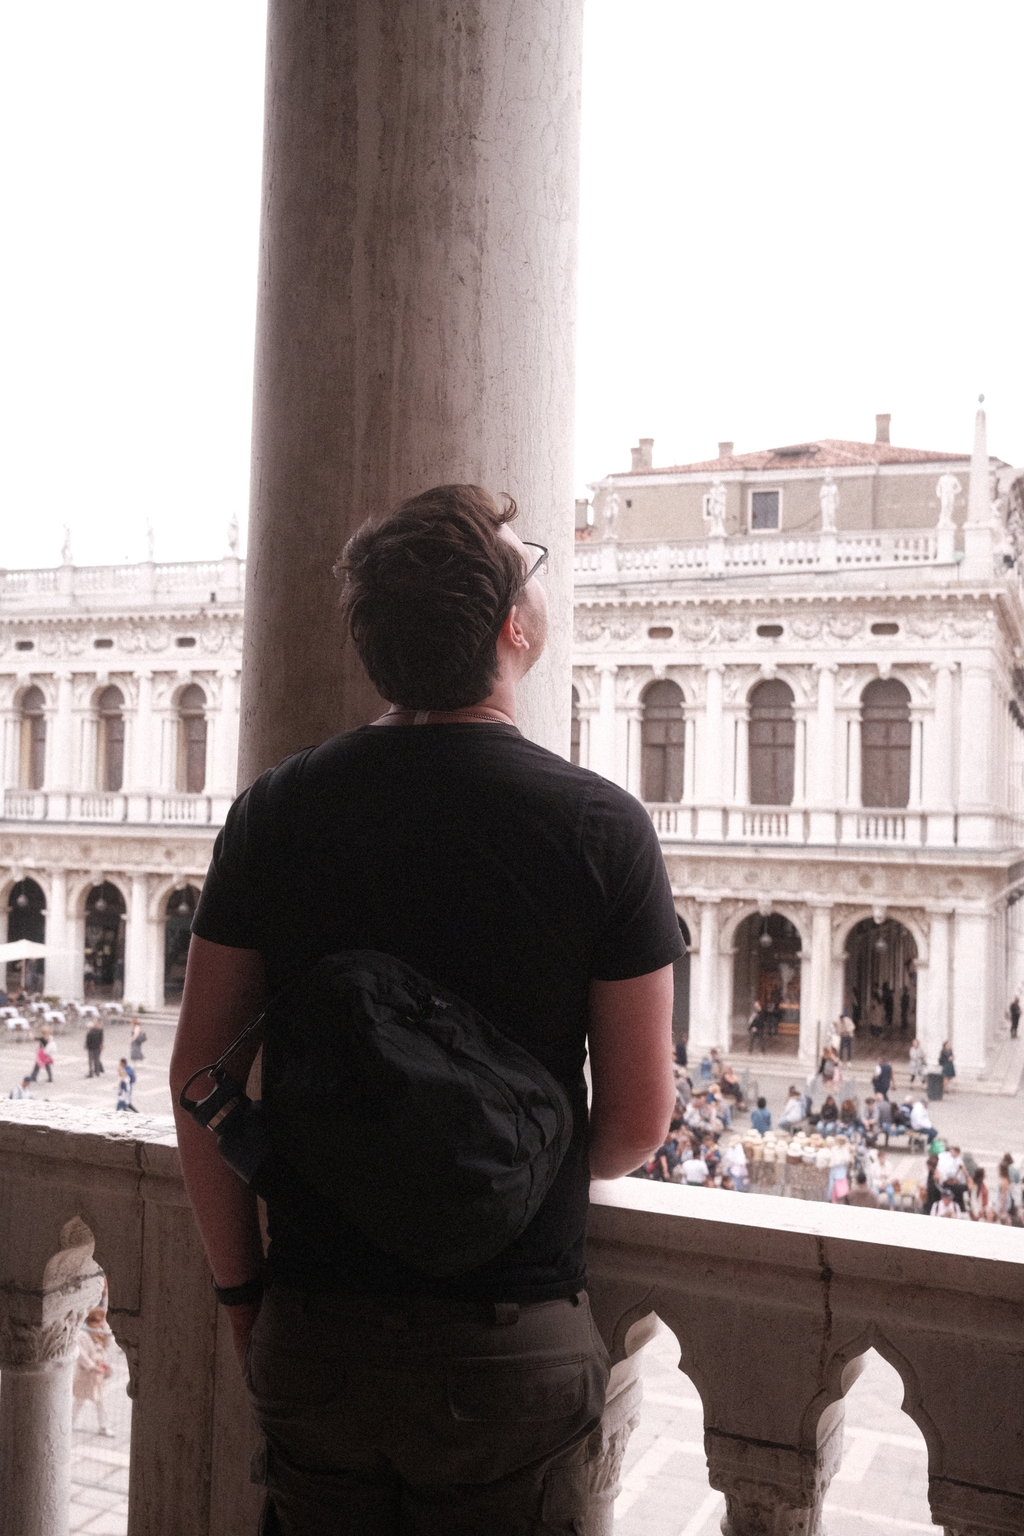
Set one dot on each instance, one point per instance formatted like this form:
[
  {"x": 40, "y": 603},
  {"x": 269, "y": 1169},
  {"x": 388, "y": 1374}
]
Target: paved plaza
[{"x": 882, "y": 1485}]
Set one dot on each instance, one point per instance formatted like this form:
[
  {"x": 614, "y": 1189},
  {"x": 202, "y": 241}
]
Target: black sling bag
[{"x": 363, "y": 1054}]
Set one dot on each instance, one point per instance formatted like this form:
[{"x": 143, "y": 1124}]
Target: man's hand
[
  {"x": 630, "y": 1040},
  {"x": 243, "y": 1321}
]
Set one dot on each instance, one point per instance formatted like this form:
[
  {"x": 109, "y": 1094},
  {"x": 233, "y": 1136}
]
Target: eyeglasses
[{"x": 538, "y": 564}]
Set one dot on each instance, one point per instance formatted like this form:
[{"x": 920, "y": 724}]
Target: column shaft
[
  {"x": 712, "y": 788},
  {"x": 971, "y": 987},
  {"x": 602, "y": 752},
  {"x": 975, "y": 799},
  {"x": 35, "y": 1447},
  {"x": 816, "y": 987},
  {"x": 416, "y": 303},
  {"x": 63, "y": 964},
  {"x": 136, "y": 989}
]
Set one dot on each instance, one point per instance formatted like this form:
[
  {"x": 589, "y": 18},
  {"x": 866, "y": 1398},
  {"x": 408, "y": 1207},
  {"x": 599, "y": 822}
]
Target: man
[
  {"x": 94, "y": 1048},
  {"x": 882, "y": 1080},
  {"x": 793, "y": 1110},
  {"x": 860, "y": 1194},
  {"x": 847, "y": 1030},
  {"x": 535, "y": 891},
  {"x": 952, "y": 1175},
  {"x": 921, "y": 1120},
  {"x": 761, "y": 1117},
  {"x": 1014, "y": 1017}
]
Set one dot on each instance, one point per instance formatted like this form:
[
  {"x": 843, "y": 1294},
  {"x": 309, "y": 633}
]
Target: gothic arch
[
  {"x": 584, "y": 681},
  {"x": 818, "y": 1422},
  {"x": 910, "y": 920},
  {"x": 793, "y": 913}
]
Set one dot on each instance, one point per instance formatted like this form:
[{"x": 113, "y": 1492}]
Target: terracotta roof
[{"x": 828, "y": 452}]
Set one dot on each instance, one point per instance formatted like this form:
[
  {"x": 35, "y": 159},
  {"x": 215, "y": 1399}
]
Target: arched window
[
  {"x": 32, "y": 767},
  {"x": 772, "y": 744},
  {"x": 661, "y": 743},
  {"x": 111, "y": 739},
  {"x": 885, "y": 744},
  {"x": 104, "y": 940},
  {"x": 192, "y": 740},
  {"x": 574, "y": 737}
]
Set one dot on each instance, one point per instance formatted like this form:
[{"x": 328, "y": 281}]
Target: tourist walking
[
  {"x": 44, "y": 1058},
  {"x": 94, "y": 1049},
  {"x": 125, "y": 1084},
  {"x": 1014, "y": 1017},
  {"x": 882, "y": 1080},
  {"x": 847, "y": 1030},
  {"x": 138, "y": 1041},
  {"x": 948, "y": 1066},
  {"x": 918, "y": 1061}
]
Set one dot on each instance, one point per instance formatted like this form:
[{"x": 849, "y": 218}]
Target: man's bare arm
[
  {"x": 224, "y": 989},
  {"x": 630, "y": 1039}
]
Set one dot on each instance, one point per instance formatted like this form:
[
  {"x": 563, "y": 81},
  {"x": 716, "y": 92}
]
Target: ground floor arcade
[
  {"x": 113, "y": 912},
  {"x": 913, "y": 948}
]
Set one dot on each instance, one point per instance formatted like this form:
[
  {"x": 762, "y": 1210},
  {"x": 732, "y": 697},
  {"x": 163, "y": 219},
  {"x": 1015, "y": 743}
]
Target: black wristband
[{"x": 248, "y": 1295}]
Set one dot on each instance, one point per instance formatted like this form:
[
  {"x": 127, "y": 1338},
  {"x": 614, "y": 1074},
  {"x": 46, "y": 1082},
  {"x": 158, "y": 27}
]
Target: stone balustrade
[
  {"x": 612, "y": 560},
  {"x": 111, "y": 808},
  {"x": 830, "y": 826},
  {"x": 773, "y": 1302},
  {"x": 147, "y": 583}
]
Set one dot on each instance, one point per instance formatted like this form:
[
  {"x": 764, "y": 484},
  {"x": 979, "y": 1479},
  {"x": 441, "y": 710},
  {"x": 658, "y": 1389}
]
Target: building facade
[
  {"x": 807, "y": 663},
  {"x": 119, "y": 721}
]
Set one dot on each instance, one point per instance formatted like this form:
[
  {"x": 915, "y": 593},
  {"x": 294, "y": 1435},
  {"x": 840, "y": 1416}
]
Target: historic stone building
[
  {"x": 119, "y": 709},
  {"x": 807, "y": 663}
]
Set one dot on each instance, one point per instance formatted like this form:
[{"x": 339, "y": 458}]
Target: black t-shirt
[{"x": 494, "y": 868}]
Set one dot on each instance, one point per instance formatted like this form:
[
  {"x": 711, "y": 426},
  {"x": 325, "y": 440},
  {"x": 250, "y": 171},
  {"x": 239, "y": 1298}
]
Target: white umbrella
[{"x": 22, "y": 949}]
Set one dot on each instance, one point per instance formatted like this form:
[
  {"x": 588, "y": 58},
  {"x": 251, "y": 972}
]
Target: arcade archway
[
  {"x": 766, "y": 972},
  {"x": 180, "y": 907},
  {"x": 26, "y": 919},
  {"x": 104, "y": 942},
  {"x": 881, "y": 982}
]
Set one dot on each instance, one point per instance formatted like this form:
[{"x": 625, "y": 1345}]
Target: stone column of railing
[
  {"x": 80, "y": 1196},
  {"x": 773, "y": 1303}
]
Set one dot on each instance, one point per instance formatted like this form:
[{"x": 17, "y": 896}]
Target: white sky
[{"x": 794, "y": 215}]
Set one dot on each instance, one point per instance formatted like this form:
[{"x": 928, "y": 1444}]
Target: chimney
[
  {"x": 882, "y": 428},
  {"x": 725, "y": 450},
  {"x": 584, "y": 516},
  {"x": 643, "y": 454}
]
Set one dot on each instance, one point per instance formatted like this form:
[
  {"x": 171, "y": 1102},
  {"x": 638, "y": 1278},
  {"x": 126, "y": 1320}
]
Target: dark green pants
[{"x": 387, "y": 1417}]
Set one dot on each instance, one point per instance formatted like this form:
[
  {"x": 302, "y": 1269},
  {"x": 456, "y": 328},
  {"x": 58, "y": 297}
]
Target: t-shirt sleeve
[
  {"x": 228, "y": 910},
  {"x": 638, "y": 930}
]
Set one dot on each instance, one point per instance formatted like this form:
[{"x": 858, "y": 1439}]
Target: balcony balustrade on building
[
  {"x": 124, "y": 585},
  {"x": 773, "y": 1303},
  {"x": 761, "y": 554},
  {"x": 135, "y": 809},
  {"x": 831, "y": 826}
]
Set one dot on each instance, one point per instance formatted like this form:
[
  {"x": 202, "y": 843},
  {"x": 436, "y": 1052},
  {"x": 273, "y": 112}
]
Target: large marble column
[
  {"x": 816, "y": 986},
  {"x": 60, "y": 776},
  {"x": 137, "y": 988},
  {"x": 415, "y": 326},
  {"x": 707, "y": 1025},
  {"x": 141, "y": 769},
  {"x": 602, "y": 737}
]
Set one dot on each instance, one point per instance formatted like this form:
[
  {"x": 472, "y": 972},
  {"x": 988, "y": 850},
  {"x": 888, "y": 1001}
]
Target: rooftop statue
[
  {"x": 716, "y": 509},
  {"x": 828, "y": 496},
  {"x": 947, "y": 488}
]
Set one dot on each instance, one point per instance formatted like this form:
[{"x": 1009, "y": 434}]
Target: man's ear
[{"x": 512, "y": 632}]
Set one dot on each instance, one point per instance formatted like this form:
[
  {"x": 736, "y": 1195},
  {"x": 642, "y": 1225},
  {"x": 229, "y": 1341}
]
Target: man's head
[
  {"x": 428, "y": 590},
  {"x": 762, "y": 1103}
]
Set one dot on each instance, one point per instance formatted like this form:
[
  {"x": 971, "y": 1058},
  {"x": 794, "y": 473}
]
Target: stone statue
[
  {"x": 150, "y": 542},
  {"x": 233, "y": 535},
  {"x": 65, "y": 549},
  {"x": 828, "y": 496},
  {"x": 716, "y": 509},
  {"x": 612, "y": 507},
  {"x": 947, "y": 488}
]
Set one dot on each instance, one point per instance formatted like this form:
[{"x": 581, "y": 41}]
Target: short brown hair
[{"x": 426, "y": 592}]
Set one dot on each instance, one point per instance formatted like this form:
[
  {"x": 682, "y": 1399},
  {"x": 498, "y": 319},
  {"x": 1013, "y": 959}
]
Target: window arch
[
  {"x": 574, "y": 736},
  {"x": 662, "y": 737},
  {"x": 885, "y": 743},
  {"x": 32, "y": 765},
  {"x": 192, "y": 740},
  {"x": 111, "y": 739},
  {"x": 772, "y": 744}
]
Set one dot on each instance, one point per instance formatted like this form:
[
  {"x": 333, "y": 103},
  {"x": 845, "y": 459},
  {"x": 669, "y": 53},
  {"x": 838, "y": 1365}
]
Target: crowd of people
[{"x": 843, "y": 1133}]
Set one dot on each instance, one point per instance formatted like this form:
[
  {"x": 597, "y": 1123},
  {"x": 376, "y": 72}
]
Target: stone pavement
[{"x": 99, "y": 1466}]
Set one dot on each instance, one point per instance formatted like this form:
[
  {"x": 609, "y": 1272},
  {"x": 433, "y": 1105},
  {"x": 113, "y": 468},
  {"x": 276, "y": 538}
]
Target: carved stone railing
[
  {"x": 828, "y": 825},
  {"x": 773, "y": 1302},
  {"x": 161, "y": 810},
  {"x": 85, "y": 586}
]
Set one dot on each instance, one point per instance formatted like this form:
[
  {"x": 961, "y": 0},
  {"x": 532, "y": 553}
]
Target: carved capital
[{"x": 772, "y": 1490}]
